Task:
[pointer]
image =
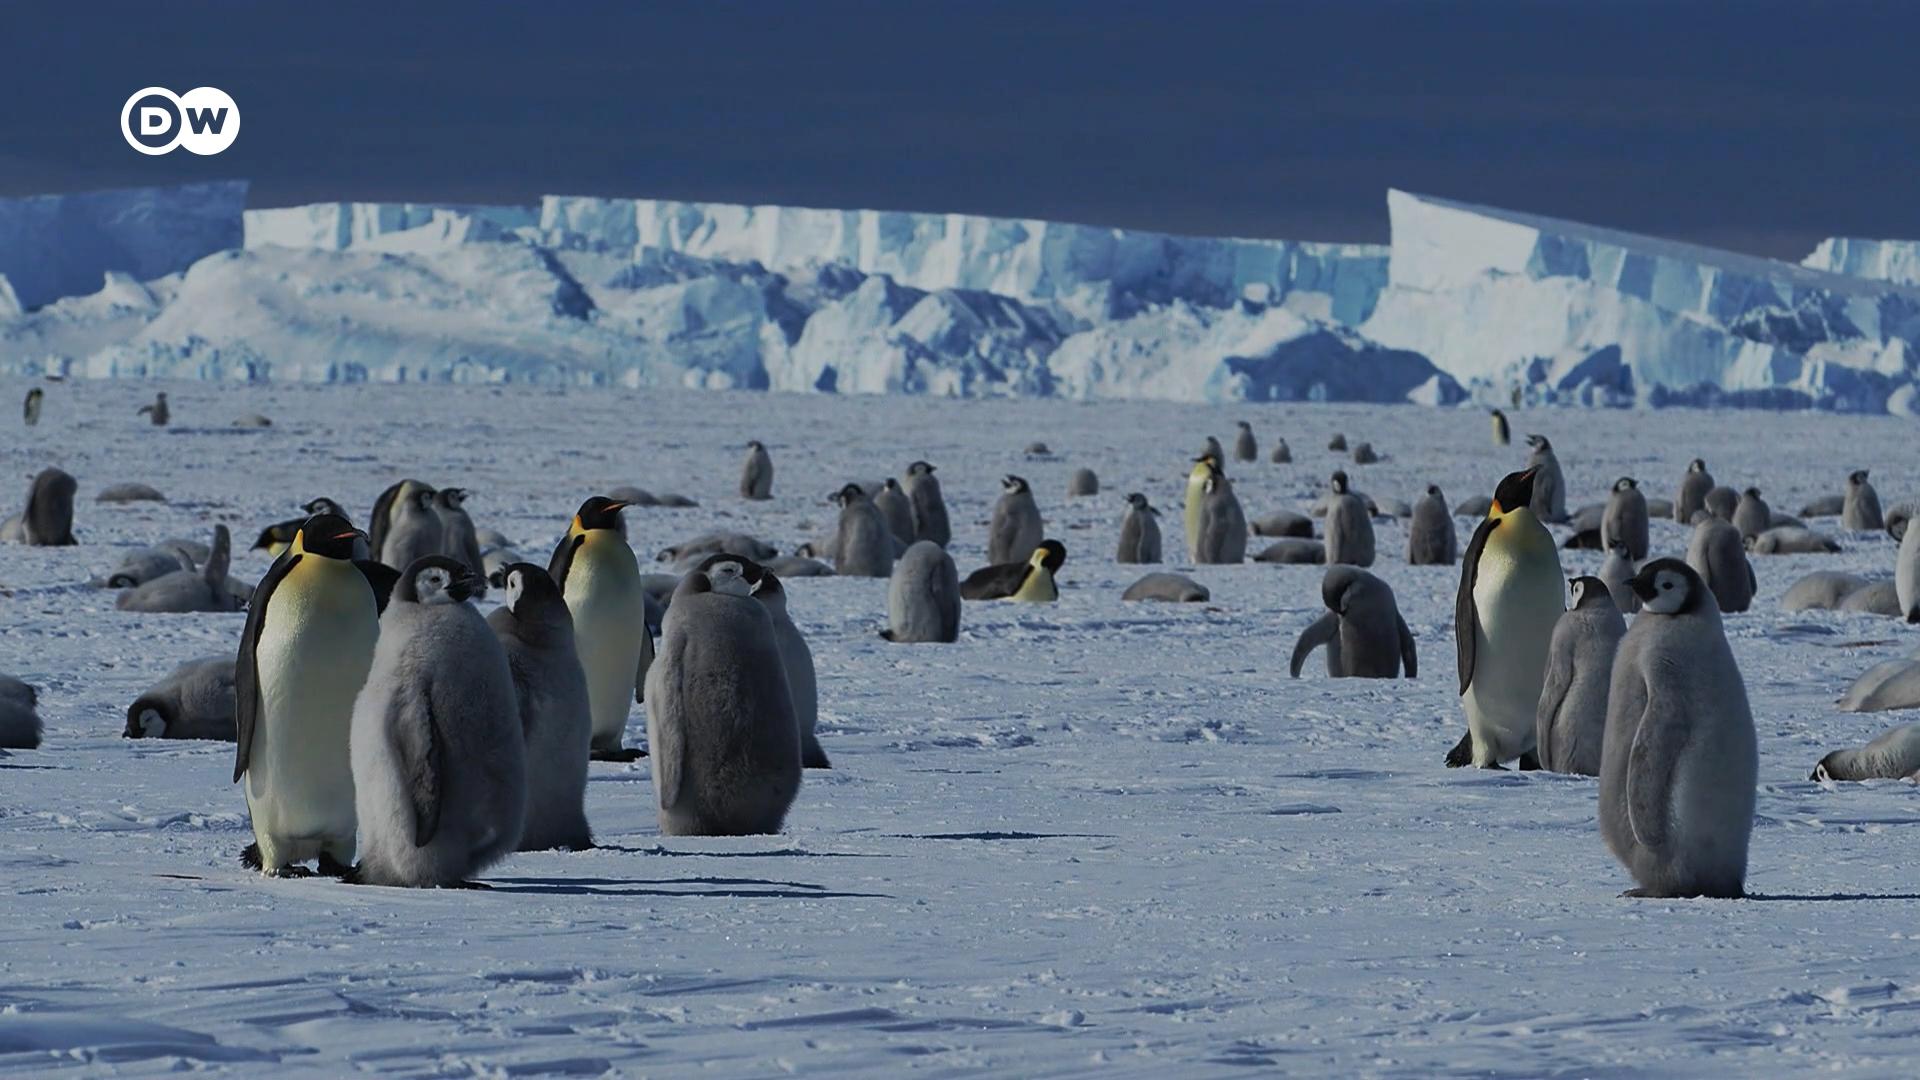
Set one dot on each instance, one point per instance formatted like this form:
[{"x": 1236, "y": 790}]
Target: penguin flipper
[
  {"x": 562, "y": 560},
  {"x": 1656, "y": 748},
  {"x": 416, "y": 739},
  {"x": 246, "y": 667},
  {"x": 1314, "y": 636},
  {"x": 996, "y": 582},
  {"x": 1466, "y": 617},
  {"x": 1553, "y": 694},
  {"x": 1407, "y": 655},
  {"x": 381, "y": 578},
  {"x": 377, "y": 524}
]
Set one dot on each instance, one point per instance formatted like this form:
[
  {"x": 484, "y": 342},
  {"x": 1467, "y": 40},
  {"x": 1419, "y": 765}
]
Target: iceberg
[
  {"x": 339, "y": 226},
  {"x": 1897, "y": 261},
  {"x": 53, "y": 246}
]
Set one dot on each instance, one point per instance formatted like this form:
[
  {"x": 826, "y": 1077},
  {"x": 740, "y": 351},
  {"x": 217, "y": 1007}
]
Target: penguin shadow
[
  {"x": 789, "y": 853},
  {"x": 992, "y": 835},
  {"x": 725, "y": 888},
  {"x": 1829, "y": 897}
]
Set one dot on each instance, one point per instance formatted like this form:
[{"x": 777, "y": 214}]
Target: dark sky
[{"x": 1760, "y": 126}]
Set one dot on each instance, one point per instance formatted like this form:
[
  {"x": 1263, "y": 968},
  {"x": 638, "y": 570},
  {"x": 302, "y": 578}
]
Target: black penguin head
[
  {"x": 735, "y": 575},
  {"x": 1617, "y": 545},
  {"x": 1539, "y": 442},
  {"x": 329, "y": 536},
  {"x": 1668, "y": 587},
  {"x": 323, "y": 505},
  {"x": 1752, "y": 493},
  {"x": 1339, "y": 482},
  {"x": 1137, "y": 501},
  {"x": 1514, "y": 493},
  {"x": 148, "y": 718},
  {"x": 1856, "y": 477},
  {"x": 532, "y": 595},
  {"x": 920, "y": 468},
  {"x": 1335, "y": 586},
  {"x": 1499, "y": 414},
  {"x": 1243, "y": 425},
  {"x": 755, "y": 444},
  {"x": 892, "y": 484},
  {"x": 452, "y": 497},
  {"x": 1013, "y": 485},
  {"x": 598, "y": 512},
  {"x": 1696, "y": 466},
  {"x": 1434, "y": 490},
  {"x": 1052, "y": 555},
  {"x": 435, "y": 579},
  {"x": 847, "y": 495},
  {"x": 1590, "y": 592},
  {"x": 1824, "y": 770},
  {"x": 424, "y": 498},
  {"x": 1625, "y": 483}
]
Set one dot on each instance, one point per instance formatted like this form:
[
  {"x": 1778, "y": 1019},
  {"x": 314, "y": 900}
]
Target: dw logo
[{"x": 204, "y": 120}]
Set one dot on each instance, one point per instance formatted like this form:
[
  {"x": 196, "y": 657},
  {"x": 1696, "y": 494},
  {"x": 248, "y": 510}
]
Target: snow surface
[
  {"x": 1095, "y": 838},
  {"x": 53, "y": 246}
]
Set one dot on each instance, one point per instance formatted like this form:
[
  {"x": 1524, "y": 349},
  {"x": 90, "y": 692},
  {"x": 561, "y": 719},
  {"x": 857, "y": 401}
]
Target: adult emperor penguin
[
  {"x": 386, "y": 509},
  {"x": 1363, "y": 631},
  {"x": 1349, "y": 525},
  {"x": 1031, "y": 581},
  {"x": 1205, "y": 465},
  {"x": 1616, "y": 572},
  {"x": 600, "y": 579},
  {"x": 1244, "y": 446},
  {"x": 1860, "y": 511},
  {"x": 1720, "y": 559},
  {"x": 1431, "y": 539},
  {"x": 1626, "y": 518},
  {"x": 459, "y": 540},
  {"x": 720, "y": 719},
  {"x": 1572, "y": 719},
  {"x": 415, "y": 532},
  {"x": 304, "y": 655},
  {"x": 1550, "y": 484},
  {"x": 276, "y": 537},
  {"x": 30, "y": 409},
  {"x": 1223, "y": 524},
  {"x": 48, "y": 519},
  {"x": 1016, "y": 528},
  {"x": 923, "y": 599},
  {"x": 157, "y": 412},
  {"x": 1502, "y": 433},
  {"x": 1680, "y": 761},
  {"x": 929, "y": 507},
  {"x": 1752, "y": 516},
  {"x": 1139, "y": 532},
  {"x": 862, "y": 543},
  {"x": 1509, "y": 601},
  {"x": 439, "y": 765},
  {"x": 896, "y": 509},
  {"x": 756, "y": 473},
  {"x": 556, "y": 717},
  {"x": 1692, "y": 495},
  {"x": 1906, "y": 572}
]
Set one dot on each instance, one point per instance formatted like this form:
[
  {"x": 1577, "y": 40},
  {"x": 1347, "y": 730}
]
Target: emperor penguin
[
  {"x": 1282, "y": 453},
  {"x": 1680, "y": 759},
  {"x": 1431, "y": 539},
  {"x": 1502, "y": 434},
  {"x": 1365, "y": 636},
  {"x": 439, "y": 761},
  {"x": 1906, "y": 573},
  {"x": 556, "y": 716},
  {"x": 756, "y": 473},
  {"x": 1626, "y": 518},
  {"x": 188, "y": 590},
  {"x": 194, "y": 701},
  {"x": 1031, "y": 581},
  {"x": 1616, "y": 571},
  {"x": 1719, "y": 558},
  {"x": 415, "y": 532},
  {"x": 1692, "y": 495},
  {"x": 896, "y": 509},
  {"x": 1509, "y": 601},
  {"x": 48, "y": 519},
  {"x": 459, "y": 540},
  {"x": 1349, "y": 525},
  {"x": 1016, "y": 528},
  {"x": 1861, "y": 510},
  {"x": 19, "y": 715},
  {"x": 30, "y": 409},
  {"x": 1338, "y": 443},
  {"x": 744, "y": 577},
  {"x": 1893, "y": 755},
  {"x": 929, "y": 508},
  {"x": 720, "y": 718},
  {"x": 862, "y": 544},
  {"x": 1752, "y": 516},
  {"x": 1082, "y": 483},
  {"x": 304, "y": 655},
  {"x": 1223, "y": 524},
  {"x": 1139, "y": 532},
  {"x": 1205, "y": 465},
  {"x": 600, "y": 580},
  {"x": 1723, "y": 502},
  {"x": 1244, "y": 446},
  {"x": 386, "y": 510},
  {"x": 276, "y": 537},
  {"x": 923, "y": 599},
  {"x": 1550, "y": 485},
  {"x": 1572, "y": 719},
  {"x": 157, "y": 412}
]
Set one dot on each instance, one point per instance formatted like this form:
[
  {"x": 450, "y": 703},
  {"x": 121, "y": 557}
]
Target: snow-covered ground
[{"x": 1089, "y": 839}]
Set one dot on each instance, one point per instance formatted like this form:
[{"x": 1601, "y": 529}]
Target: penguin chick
[
  {"x": 416, "y": 531},
  {"x": 187, "y": 590},
  {"x": 459, "y": 540},
  {"x": 1572, "y": 718},
  {"x": 19, "y": 716},
  {"x": 896, "y": 508},
  {"x": 863, "y": 546},
  {"x": 556, "y": 718},
  {"x": 1245, "y": 448},
  {"x": 756, "y": 473},
  {"x": 1431, "y": 539},
  {"x": 1626, "y": 518},
  {"x": 923, "y": 599},
  {"x": 1139, "y": 532},
  {"x": 1893, "y": 755},
  {"x": 1692, "y": 496},
  {"x": 1349, "y": 525},
  {"x": 1223, "y": 523},
  {"x": 1550, "y": 484},
  {"x": 929, "y": 506},
  {"x": 1016, "y": 527},
  {"x": 1364, "y": 634},
  {"x": 1717, "y": 555},
  {"x": 439, "y": 762},
  {"x": 194, "y": 701}
]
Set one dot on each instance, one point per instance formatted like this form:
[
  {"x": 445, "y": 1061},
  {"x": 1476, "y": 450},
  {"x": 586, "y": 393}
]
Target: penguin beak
[
  {"x": 1642, "y": 585},
  {"x": 463, "y": 587}
]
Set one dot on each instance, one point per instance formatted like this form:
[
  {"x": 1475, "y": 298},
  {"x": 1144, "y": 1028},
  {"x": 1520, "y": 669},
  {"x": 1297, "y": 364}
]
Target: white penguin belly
[
  {"x": 1518, "y": 602},
  {"x": 609, "y": 619},
  {"x": 313, "y": 657},
  {"x": 1196, "y": 495}
]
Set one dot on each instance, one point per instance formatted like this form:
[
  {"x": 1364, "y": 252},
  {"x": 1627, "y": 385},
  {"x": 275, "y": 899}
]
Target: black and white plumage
[
  {"x": 1349, "y": 525},
  {"x": 207, "y": 589},
  {"x": 756, "y": 473},
  {"x": 1003, "y": 581},
  {"x": 1616, "y": 571},
  {"x": 1692, "y": 495},
  {"x": 30, "y": 408},
  {"x": 596, "y": 571},
  {"x": 1572, "y": 721},
  {"x": 1016, "y": 527},
  {"x": 1364, "y": 634},
  {"x": 47, "y": 520},
  {"x": 194, "y": 701},
  {"x": 1893, "y": 755},
  {"x": 556, "y": 717},
  {"x": 1139, "y": 532},
  {"x": 1502, "y": 431},
  {"x": 274, "y": 538},
  {"x": 862, "y": 543},
  {"x": 1860, "y": 510},
  {"x": 1680, "y": 760},
  {"x": 1549, "y": 483},
  {"x": 929, "y": 506},
  {"x": 1431, "y": 537},
  {"x": 1223, "y": 523},
  {"x": 923, "y": 599},
  {"x": 1626, "y": 518},
  {"x": 720, "y": 719},
  {"x": 158, "y": 412},
  {"x": 736, "y": 576},
  {"x": 1717, "y": 555},
  {"x": 145, "y": 564},
  {"x": 896, "y": 509},
  {"x": 439, "y": 762}
]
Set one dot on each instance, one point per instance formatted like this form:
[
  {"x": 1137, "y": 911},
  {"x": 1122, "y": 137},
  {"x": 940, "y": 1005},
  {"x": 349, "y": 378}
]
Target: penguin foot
[
  {"x": 1462, "y": 752},
  {"x": 1530, "y": 762},
  {"x": 631, "y": 754},
  {"x": 1635, "y": 894},
  {"x": 333, "y": 868},
  {"x": 481, "y": 885},
  {"x": 1495, "y": 766},
  {"x": 292, "y": 870},
  {"x": 250, "y": 857}
]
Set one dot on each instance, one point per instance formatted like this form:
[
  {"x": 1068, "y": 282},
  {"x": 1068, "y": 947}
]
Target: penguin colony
[{"x": 389, "y": 734}]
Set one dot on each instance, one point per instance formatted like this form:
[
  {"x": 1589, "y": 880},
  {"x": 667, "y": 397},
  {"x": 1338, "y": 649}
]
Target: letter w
[{"x": 203, "y": 120}]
